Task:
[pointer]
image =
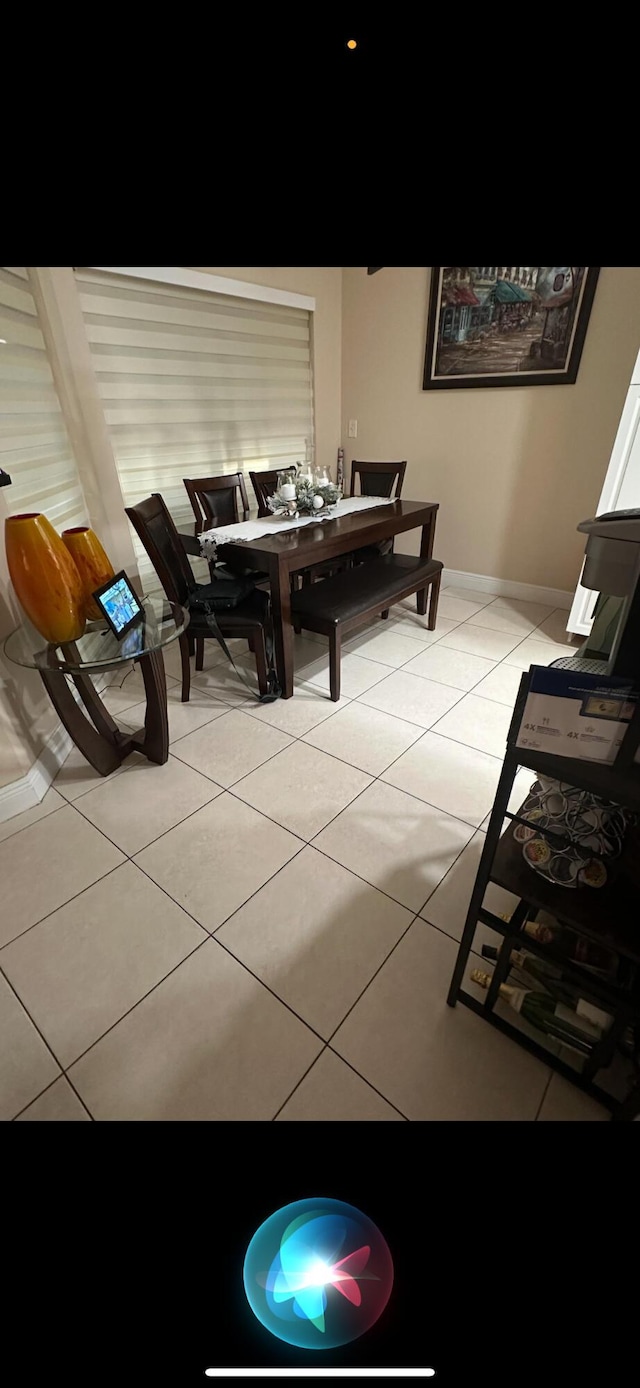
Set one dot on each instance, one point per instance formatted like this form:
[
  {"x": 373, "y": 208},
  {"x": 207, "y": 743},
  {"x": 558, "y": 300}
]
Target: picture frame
[
  {"x": 494, "y": 326},
  {"x": 119, "y": 605}
]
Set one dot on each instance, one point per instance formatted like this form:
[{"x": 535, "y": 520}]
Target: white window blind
[
  {"x": 195, "y": 384},
  {"x": 34, "y": 446}
]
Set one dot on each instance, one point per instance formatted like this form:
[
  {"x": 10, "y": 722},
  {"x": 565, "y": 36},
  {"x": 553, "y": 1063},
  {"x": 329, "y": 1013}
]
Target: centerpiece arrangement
[{"x": 301, "y": 494}]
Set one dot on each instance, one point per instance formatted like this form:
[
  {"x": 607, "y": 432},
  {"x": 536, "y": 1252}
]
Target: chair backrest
[
  {"x": 377, "y": 479},
  {"x": 158, "y": 534},
  {"x": 264, "y": 485},
  {"x": 214, "y": 500}
]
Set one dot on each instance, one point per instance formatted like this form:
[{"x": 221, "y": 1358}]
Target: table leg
[
  {"x": 155, "y": 744},
  {"x": 280, "y": 581},
  {"x": 99, "y": 748},
  {"x": 426, "y": 552},
  {"x": 101, "y": 741},
  {"x": 98, "y": 713}
]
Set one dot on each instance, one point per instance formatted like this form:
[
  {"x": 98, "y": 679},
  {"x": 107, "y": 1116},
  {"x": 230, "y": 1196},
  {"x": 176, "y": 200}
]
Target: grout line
[
  {"x": 131, "y": 857},
  {"x": 368, "y": 985},
  {"x": 351, "y": 1067},
  {"x": 268, "y": 989},
  {"x": 171, "y": 899},
  {"x": 63, "y": 1076},
  {"x": 35, "y": 1026},
  {"x": 381, "y": 774},
  {"x": 462, "y": 694},
  {"x": 36, "y": 821},
  {"x": 544, "y": 1095},
  {"x": 490, "y": 700},
  {"x": 469, "y": 745},
  {"x": 42, "y": 1091},
  {"x": 244, "y": 773},
  {"x": 75, "y": 896},
  {"x": 446, "y": 874},
  {"x": 297, "y": 1086},
  {"x": 102, "y": 781},
  {"x": 79, "y": 1096},
  {"x": 381, "y": 890},
  {"x": 209, "y": 939},
  {"x": 132, "y": 1008},
  {"x": 212, "y": 933},
  {"x": 366, "y": 1081}
]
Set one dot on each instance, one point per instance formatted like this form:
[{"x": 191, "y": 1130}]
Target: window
[
  {"x": 34, "y": 446},
  {"x": 196, "y": 383}
]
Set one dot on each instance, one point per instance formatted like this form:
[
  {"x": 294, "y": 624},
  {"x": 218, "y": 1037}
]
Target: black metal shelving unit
[{"x": 608, "y": 916}]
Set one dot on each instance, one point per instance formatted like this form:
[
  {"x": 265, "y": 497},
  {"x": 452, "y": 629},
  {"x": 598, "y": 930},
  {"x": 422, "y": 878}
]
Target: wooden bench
[{"x": 339, "y": 604}]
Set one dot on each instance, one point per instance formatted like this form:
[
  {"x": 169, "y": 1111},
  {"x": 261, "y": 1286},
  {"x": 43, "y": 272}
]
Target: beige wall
[
  {"x": 325, "y": 284},
  {"x": 514, "y": 469}
]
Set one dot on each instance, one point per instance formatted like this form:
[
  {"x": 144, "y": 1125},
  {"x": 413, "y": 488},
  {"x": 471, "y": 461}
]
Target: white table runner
[{"x": 246, "y": 531}]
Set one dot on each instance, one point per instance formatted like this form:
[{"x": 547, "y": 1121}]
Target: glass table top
[{"x": 98, "y": 648}]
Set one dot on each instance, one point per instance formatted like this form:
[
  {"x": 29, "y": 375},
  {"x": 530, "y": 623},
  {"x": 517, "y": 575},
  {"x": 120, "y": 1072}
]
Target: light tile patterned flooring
[{"x": 265, "y": 928}]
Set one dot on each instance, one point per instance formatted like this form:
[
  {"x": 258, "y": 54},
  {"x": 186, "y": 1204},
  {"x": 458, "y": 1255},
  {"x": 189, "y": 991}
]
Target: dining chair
[
  {"x": 214, "y": 500},
  {"x": 154, "y": 525},
  {"x": 264, "y": 485},
  {"x": 376, "y": 479}
]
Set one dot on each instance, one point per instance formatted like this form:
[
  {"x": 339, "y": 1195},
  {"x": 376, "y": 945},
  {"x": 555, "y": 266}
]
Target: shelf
[
  {"x": 605, "y": 993},
  {"x": 607, "y": 915},
  {"x": 622, "y": 787},
  {"x": 544, "y": 1053}
]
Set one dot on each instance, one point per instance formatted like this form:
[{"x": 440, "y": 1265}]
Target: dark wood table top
[{"x": 308, "y": 543}]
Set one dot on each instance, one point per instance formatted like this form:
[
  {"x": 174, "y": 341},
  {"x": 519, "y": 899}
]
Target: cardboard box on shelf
[{"x": 570, "y": 714}]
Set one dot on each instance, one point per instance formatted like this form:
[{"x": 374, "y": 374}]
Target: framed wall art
[{"x": 506, "y": 325}]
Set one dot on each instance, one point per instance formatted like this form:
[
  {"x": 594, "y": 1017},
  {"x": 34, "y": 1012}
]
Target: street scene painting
[{"x": 500, "y": 325}]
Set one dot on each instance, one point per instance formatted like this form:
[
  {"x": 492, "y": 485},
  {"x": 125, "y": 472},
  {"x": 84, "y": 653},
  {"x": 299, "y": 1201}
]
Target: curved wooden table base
[{"x": 101, "y": 741}]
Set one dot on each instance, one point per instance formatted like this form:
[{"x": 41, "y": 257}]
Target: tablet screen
[{"x": 119, "y": 603}]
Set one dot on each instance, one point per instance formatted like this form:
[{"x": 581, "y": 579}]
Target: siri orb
[{"x": 318, "y": 1273}]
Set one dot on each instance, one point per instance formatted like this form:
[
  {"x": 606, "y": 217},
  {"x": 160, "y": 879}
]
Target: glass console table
[{"x": 100, "y": 740}]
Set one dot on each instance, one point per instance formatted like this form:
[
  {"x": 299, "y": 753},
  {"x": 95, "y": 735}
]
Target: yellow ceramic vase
[
  {"x": 91, "y": 562},
  {"x": 45, "y": 578}
]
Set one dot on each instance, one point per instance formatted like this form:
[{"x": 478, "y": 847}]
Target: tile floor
[{"x": 265, "y": 927}]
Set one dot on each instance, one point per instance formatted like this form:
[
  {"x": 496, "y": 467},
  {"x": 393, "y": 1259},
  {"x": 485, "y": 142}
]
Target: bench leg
[
  {"x": 433, "y": 604},
  {"x": 384, "y": 614},
  {"x": 335, "y": 652}
]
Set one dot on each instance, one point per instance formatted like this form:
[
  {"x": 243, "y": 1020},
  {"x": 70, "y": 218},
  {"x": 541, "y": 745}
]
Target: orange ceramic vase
[
  {"x": 45, "y": 578},
  {"x": 91, "y": 562}
]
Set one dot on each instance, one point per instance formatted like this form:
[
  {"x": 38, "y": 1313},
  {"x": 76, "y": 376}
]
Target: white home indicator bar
[{"x": 319, "y": 1373}]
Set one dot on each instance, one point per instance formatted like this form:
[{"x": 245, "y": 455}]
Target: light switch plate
[{"x": 353, "y": 428}]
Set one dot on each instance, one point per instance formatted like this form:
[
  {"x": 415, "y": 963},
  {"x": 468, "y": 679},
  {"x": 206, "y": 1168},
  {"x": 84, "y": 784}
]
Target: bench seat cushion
[{"x": 375, "y": 584}]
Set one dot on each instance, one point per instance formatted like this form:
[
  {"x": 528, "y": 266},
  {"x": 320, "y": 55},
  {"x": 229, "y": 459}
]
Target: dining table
[{"x": 286, "y": 547}]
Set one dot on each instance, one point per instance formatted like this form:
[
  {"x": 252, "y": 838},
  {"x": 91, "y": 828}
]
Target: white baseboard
[
  {"x": 504, "y": 588},
  {"x": 26, "y": 793}
]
